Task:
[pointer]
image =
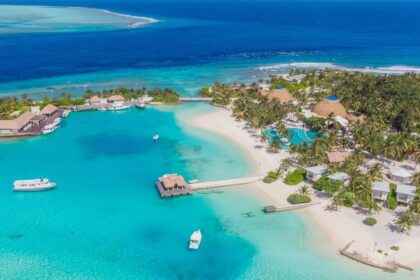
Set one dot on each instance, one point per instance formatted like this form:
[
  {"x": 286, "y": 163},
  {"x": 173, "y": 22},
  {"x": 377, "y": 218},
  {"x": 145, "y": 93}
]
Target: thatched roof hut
[
  {"x": 115, "y": 98},
  {"x": 330, "y": 105},
  {"x": 281, "y": 94},
  {"x": 49, "y": 110}
]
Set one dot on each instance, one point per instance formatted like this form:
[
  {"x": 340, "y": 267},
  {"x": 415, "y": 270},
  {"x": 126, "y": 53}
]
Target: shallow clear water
[{"x": 106, "y": 221}]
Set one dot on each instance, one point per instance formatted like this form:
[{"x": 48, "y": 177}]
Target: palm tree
[
  {"x": 405, "y": 221},
  {"x": 375, "y": 173},
  {"x": 304, "y": 190}
]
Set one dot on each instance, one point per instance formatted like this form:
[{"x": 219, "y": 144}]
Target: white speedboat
[
  {"x": 118, "y": 107},
  {"x": 66, "y": 113},
  {"x": 57, "y": 121},
  {"x": 140, "y": 104},
  {"x": 33, "y": 185},
  {"x": 155, "y": 137},
  {"x": 195, "y": 240},
  {"x": 49, "y": 128}
]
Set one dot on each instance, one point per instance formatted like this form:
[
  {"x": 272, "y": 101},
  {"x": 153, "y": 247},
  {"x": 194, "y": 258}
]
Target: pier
[
  {"x": 195, "y": 99},
  {"x": 274, "y": 209},
  {"x": 224, "y": 183}
]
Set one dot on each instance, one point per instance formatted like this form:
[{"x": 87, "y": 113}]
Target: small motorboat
[
  {"x": 66, "y": 113},
  {"x": 195, "y": 240},
  {"x": 155, "y": 137},
  {"x": 140, "y": 104},
  {"x": 49, "y": 128},
  {"x": 33, "y": 185}
]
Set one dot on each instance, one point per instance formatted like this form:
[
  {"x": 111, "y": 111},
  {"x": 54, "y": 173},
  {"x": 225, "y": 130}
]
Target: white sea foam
[{"x": 397, "y": 69}]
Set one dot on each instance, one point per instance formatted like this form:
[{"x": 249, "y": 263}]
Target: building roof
[
  {"x": 114, "y": 98},
  {"x": 17, "y": 123},
  {"x": 318, "y": 169},
  {"x": 338, "y": 156},
  {"x": 281, "y": 94},
  {"x": 406, "y": 189},
  {"x": 49, "y": 109},
  {"x": 330, "y": 106},
  {"x": 400, "y": 172},
  {"x": 354, "y": 118},
  {"x": 380, "y": 186},
  {"x": 339, "y": 176},
  {"x": 94, "y": 99},
  {"x": 172, "y": 180}
]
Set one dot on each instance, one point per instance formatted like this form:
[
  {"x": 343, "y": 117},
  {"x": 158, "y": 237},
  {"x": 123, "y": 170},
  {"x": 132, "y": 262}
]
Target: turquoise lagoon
[
  {"x": 37, "y": 19},
  {"x": 106, "y": 221}
]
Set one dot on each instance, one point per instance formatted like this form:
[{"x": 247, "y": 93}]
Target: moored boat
[
  {"x": 49, "y": 128},
  {"x": 155, "y": 137},
  {"x": 33, "y": 185},
  {"x": 66, "y": 113},
  {"x": 140, "y": 104},
  {"x": 195, "y": 240}
]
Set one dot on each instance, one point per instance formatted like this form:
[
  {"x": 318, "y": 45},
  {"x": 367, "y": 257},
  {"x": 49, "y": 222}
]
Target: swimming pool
[{"x": 297, "y": 136}]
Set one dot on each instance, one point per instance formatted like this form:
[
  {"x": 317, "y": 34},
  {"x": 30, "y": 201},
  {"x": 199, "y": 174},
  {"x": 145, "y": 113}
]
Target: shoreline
[{"x": 338, "y": 227}]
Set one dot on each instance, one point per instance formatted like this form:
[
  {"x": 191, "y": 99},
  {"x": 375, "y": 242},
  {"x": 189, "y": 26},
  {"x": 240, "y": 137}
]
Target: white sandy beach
[{"x": 340, "y": 226}]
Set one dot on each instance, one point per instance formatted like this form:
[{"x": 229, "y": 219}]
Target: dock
[
  {"x": 274, "y": 209},
  {"x": 224, "y": 183},
  {"x": 195, "y": 99}
]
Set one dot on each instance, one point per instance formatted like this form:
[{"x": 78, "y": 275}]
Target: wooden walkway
[
  {"x": 195, "y": 99},
  {"x": 274, "y": 209},
  {"x": 224, "y": 183}
]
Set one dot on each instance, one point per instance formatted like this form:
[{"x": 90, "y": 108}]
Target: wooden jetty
[
  {"x": 195, "y": 99},
  {"x": 274, "y": 209},
  {"x": 389, "y": 266},
  {"x": 224, "y": 183}
]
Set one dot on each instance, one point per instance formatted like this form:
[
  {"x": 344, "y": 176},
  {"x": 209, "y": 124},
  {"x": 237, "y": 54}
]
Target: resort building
[
  {"x": 263, "y": 88},
  {"x": 338, "y": 157},
  {"x": 295, "y": 78},
  {"x": 380, "y": 190},
  {"x": 17, "y": 125},
  {"x": 49, "y": 110},
  {"x": 400, "y": 175},
  {"x": 94, "y": 100},
  {"x": 172, "y": 185},
  {"x": 38, "y": 119},
  {"x": 313, "y": 173},
  {"x": 280, "y": 94},
  {"x": 341, "y": 177},
  {"x": 405, "y": 193},
  {"x": 115, "y": 98},
  {"x": 35, "y": 110},
  {"x": 332, "y": 105}
]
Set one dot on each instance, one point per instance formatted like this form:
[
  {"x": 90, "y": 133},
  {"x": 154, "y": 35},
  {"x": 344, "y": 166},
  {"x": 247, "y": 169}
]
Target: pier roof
[
  {"x": 49, "y": 109},
  {"x": 172, "y": 180},
  {"x": 17, "y": 123},
  {"x": 114, "y": 98}
]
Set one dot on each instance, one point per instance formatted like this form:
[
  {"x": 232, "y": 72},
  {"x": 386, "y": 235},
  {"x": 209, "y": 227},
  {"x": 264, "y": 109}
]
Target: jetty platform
[
  {"x": 274, "y": 209},
  {"x": 224, "y": 183}
]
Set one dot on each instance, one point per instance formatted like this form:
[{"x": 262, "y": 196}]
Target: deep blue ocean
[
  {"x": 105, "y": 219},
  {"x": 192, "y": 36}
]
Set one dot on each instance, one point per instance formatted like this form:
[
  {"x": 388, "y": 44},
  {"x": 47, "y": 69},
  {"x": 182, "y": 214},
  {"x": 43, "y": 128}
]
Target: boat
[
  {"x": 57, "y": 121},
  {"x": 140, "y": 104},
  {"x": 49, "y": 128},
  {"x": 194, "y": 181},
  {"x": 155, "y": 137},
  {"x": 118, "y": 107},
  {"x": 195, "y": 240},
  {"x": 284, "y": 141},
  {"x": 33, "y": 185},
  {"x": 66, "y": 113}
]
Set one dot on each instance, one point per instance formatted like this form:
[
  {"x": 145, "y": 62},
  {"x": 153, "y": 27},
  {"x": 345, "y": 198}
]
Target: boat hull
[{"x": 35, "y": 189}]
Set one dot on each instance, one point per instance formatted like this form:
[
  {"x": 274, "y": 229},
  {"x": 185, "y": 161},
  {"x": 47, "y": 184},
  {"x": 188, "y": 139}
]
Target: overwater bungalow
[
  {"x": 400, "y": 175},
  {"x": 281, "y": 94},
  {"x": 313, "y": 173},
  {"x": 405, "y": 193},
  {"x": 172, "y": 185},
  {"x": 49, "y": 110},
  {"x": 21, "y": 123},
  {"x": 380, "y": 190}
]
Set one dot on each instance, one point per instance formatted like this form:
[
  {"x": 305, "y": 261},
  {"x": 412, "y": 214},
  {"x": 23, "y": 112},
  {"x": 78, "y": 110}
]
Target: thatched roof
[
  {"x": 326, "y": 107},
  {"x": 18, "y": 123},
  {"x": 172, "y": 180},
  {"x": 338, "y": 156},
  {"x": 281, "y": 94},
  {"x": 49, "y": 109},
  {"x": 114, "y": 98},
  {"x": 354, "y": 118},
  {"x": 94, "y": 99}
]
